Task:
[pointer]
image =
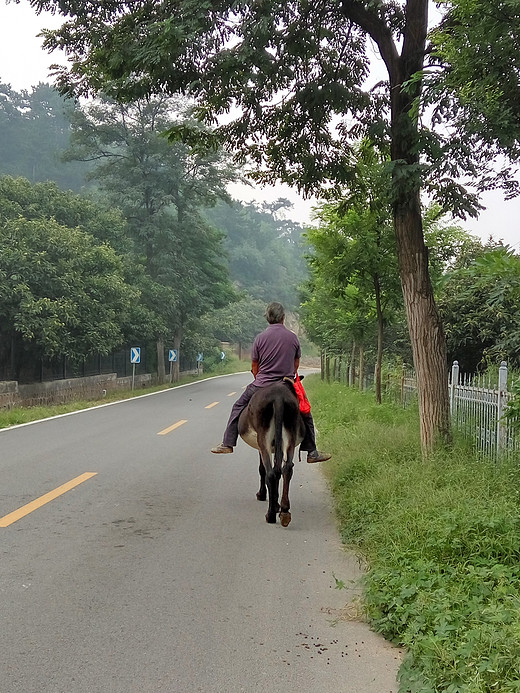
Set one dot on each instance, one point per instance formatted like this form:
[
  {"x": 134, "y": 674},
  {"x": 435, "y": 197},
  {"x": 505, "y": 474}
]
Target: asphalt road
[{"x": 158, "y": 573}]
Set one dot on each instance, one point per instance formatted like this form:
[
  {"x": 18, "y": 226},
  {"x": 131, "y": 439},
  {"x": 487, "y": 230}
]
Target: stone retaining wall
[
  {"x": 60, "y": 391},
  {"x": 8, "y": 394}
]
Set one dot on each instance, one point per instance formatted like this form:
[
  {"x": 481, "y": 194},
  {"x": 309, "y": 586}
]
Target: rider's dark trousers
[{"x": 231, "y": 432}]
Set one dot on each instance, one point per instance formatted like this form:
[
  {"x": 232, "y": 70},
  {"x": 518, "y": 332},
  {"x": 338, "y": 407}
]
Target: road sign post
[{"x": 135, "y": 357}]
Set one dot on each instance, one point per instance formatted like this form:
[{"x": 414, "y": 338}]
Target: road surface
[{"x": 135, "y": 561}]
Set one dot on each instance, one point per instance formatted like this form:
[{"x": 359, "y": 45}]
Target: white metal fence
[{"x": 478, "y": 408}]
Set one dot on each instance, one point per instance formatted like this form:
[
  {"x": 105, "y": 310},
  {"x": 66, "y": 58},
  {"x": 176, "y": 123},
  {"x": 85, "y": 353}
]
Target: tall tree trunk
[
  {"x": 177, "y": 338},
  {"x": 426, "y": 332},
  {"x": 380, "y": 334},
  {"x": 424, "y": 324},
  {"x": 361, "y": 365},
  {"x": 352, "y": 368},
  {"x": 161, "y": 370}
]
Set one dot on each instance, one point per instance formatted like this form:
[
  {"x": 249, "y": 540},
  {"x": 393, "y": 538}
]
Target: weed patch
[{"x": 441, "y": 538}]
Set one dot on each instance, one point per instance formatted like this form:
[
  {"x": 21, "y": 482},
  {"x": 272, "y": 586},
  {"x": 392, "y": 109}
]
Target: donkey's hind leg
[
  {"x": 262, "y": 493},
  {"x": 287, "y": 472}
]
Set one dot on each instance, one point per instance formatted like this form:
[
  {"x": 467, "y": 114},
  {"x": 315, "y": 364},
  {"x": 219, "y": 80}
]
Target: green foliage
[
  {"x": 296, "y": 68},
  {"x": 442, "y": 539},
  {"x": 354, "y": 261},
  {"x": 265, "y": 250},
  {"x": 334, "y": 321},
  {"x": 61, "y": 290},
  {"x": 477, "y": 43},
  {"x": 21, "y": 198},
  {"x": 479, "y": 299},
  {"x": 161, "y": 190},
  {"x": 513, "y": 407},
  {"x": 34, "y": 132},
  {"x": 354, "y": 283},
  {"x": 238, "y": 323}
]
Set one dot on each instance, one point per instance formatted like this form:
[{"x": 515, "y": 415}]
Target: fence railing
[{"x": 478, "y": 409}]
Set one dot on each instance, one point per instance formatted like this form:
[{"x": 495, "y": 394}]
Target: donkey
[{"x": 272, "y": 424}]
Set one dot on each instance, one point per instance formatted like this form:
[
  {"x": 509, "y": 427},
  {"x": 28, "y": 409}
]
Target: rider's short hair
[{"x": 274, "y": 313}]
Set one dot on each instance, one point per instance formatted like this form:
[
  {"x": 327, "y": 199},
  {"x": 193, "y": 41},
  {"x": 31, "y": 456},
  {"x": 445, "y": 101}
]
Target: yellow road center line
[
  {"x": 43, "y": 500},
  {"x": 172, "y": 427},
  {"x": 231, "y": 394},
  {"x": 213, "y": 404}
]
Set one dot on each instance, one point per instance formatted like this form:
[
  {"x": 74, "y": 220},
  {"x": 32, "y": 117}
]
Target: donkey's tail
[{"x": 278, "y": 411}]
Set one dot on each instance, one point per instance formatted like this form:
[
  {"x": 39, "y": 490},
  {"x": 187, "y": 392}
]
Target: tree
[
  {"x": 475, "y": 76},
  {"x": 294, "y": 69},
  {"x": 34, "y": 134},
  {"x": 239, "y": 322},
  {"x": 265, "y": 251},
  {"x": 479, "y": 299},
  {"x": 354, "y": 245},
  {"x": 36, "y": 220},
  {"x": 354, "y": 250},
  {"x": 21, "y": 198},
  {"x": 161, "y": 190},
  {"x": 61, "y": 292},
  {"x": 338, "y": 321}
]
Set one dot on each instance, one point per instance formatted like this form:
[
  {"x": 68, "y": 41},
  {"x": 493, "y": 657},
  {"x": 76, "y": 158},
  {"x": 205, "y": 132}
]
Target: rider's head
[{"x": 275, "y": 313}]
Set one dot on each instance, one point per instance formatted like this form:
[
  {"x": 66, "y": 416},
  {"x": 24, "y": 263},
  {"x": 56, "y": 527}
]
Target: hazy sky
[{"x": 23, "y": 64}]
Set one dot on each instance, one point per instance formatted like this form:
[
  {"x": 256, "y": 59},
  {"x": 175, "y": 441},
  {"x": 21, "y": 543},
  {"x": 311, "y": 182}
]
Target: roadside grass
[
  {"x": 20, "y": 415},
  {"x": 441, "y": 539}
]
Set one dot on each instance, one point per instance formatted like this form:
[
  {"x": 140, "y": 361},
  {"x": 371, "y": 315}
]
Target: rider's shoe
[
  {"x": 317, "y": 456},
  {"x": 221, "y": 449}
]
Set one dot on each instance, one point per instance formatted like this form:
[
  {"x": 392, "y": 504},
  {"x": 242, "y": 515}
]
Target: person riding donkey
[{"x": 275, "y": 355}]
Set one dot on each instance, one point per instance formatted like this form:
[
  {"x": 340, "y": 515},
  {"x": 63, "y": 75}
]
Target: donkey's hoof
[
  {"x": 285, "y": 518},
  {"x": 271, "y": 519},
  {"x": 261, "y": 495}
]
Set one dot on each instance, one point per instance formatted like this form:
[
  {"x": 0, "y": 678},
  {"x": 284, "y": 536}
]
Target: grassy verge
[
  {"x": 441, "y": 539},
  {"x": 20, "y": 415}
]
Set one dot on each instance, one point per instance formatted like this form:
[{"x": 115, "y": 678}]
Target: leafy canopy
[
  {"x": 161, "y": 190},
  {"x": 475, "y": 79},
  {"x": 34, "y": 132},
  {"x": 287, "y": 82},
  {"x": 61, "y": 291}
]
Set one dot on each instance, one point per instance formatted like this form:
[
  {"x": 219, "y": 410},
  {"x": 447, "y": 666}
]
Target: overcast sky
[{"x": 23, "y": 64}]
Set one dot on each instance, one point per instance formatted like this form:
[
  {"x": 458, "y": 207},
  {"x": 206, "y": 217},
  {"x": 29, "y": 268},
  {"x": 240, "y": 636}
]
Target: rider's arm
[
  {"x": 296, "y": 365},
  {"x": 254, "y": 368}
]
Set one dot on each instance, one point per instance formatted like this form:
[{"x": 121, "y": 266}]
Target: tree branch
[{"x": 371, "y": 22}]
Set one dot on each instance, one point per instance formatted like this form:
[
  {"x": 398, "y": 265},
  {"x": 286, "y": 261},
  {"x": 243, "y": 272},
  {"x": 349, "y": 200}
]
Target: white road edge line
[
  {"x": 130, "y": 399},
  {"x": 119, "y": 401}
]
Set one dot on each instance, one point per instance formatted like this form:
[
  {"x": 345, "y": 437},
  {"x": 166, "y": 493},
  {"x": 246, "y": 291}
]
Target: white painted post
[
  {"x": 453, "y": 384},
  {"x": 502, "y": 403}
]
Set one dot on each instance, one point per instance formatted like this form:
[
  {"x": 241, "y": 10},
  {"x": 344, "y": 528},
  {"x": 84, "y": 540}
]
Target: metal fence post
[
  {"x": 453, "y": 384},
  {"x": 502, "y": 404}
]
